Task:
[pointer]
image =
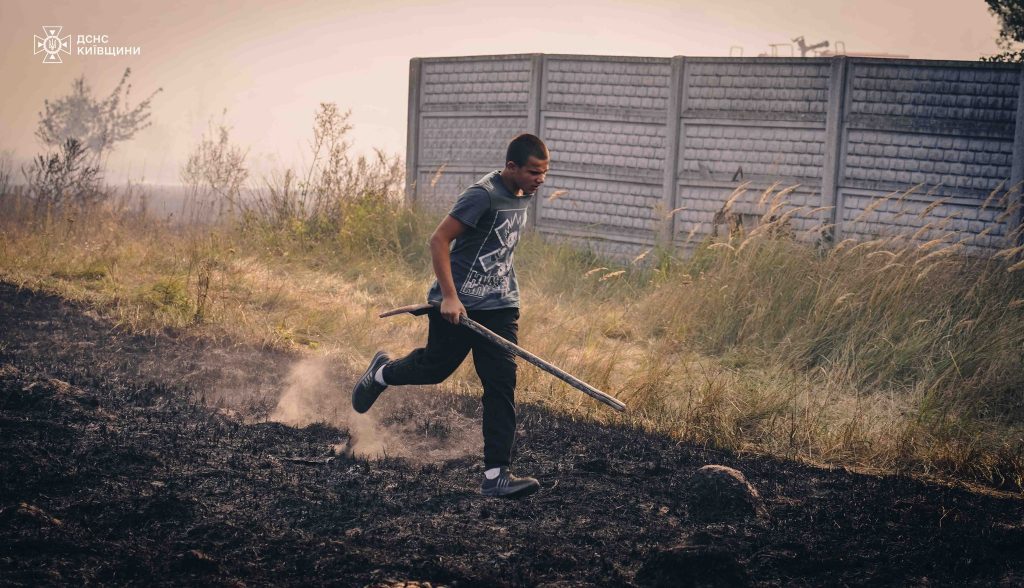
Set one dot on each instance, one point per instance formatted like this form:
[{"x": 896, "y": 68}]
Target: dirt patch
[{"x": 129, "y": 459}]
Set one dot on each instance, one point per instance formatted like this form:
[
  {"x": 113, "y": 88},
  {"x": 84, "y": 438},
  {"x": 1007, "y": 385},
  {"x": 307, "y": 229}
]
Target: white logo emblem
[{"x": 52, "y": 44}]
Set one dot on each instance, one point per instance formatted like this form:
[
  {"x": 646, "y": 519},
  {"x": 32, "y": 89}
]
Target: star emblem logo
[{"x": 52, "y": 44}]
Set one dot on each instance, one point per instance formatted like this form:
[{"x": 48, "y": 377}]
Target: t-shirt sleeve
[{"x": 471, "y": 205}]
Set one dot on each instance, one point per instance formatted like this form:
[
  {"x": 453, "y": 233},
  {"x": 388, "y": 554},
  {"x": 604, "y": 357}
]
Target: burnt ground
[{"x": 116, "y": 468}]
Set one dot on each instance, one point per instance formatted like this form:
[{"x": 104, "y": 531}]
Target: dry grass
[{"x": 892, "y": 354}]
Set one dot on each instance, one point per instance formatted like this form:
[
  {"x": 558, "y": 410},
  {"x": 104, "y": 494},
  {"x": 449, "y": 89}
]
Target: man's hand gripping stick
[{"x": 465, "y": 321}]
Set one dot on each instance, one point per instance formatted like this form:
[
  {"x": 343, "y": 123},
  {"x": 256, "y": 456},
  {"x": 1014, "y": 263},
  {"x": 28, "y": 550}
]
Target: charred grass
[{"x": 118, "y": 466}]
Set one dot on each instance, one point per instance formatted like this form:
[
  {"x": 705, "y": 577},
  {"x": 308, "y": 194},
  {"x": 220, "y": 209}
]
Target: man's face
[{"x": 530, "y": 176}]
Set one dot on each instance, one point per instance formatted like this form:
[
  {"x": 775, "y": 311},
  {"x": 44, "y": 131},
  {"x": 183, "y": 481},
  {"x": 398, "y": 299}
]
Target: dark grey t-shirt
[{"x": 482, "y": 255}]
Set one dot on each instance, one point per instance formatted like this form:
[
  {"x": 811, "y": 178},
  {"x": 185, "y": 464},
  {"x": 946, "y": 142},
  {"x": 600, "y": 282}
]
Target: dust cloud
[{"x": 417, "y": 425}]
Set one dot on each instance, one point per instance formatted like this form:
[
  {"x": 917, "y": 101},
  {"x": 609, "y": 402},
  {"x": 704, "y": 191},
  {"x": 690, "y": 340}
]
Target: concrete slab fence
[{"x": 649, "y": 150}]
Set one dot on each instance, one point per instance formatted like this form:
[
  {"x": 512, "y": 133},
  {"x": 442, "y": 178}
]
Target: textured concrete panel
[
  {"x": 961, "y": 164},
  {"x": 609, "y": 147},
  {"x": 607, "y": 84},
  {"x": 761, "y": 151},
  {"x": 885, "y": 215},
  {"x": 621, "y": 251},
  {"x": 787, "y": 88},
  {"x": 438, "y": 188},
  {"x": 619, "y": 207},
  {"x": 700, "y": 209},
  {"x": 467, "y": 139},
  {"x": 476, "y": 85},
  {"x": 963, "y": 94}
]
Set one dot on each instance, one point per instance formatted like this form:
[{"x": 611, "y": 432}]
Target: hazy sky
[{"x": 271, "y": 62}]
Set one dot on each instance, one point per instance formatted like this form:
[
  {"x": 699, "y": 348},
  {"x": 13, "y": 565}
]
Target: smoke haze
[{"x": 271, "y": 62}]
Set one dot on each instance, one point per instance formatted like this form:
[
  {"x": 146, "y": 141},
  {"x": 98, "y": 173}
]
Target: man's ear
[{"x": 511, "y": 165}]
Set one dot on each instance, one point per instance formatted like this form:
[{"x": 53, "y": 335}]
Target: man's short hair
[{"x": 524, "y": 146}]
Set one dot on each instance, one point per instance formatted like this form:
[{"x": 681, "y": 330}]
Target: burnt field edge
[{"x": 118, "y": 472}]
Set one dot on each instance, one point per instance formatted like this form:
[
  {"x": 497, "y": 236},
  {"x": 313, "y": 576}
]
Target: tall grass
[
  {"x": 889, "y": 312},
  {"x": 910, "y": 352},
  {"x": 895, "y": 354}
]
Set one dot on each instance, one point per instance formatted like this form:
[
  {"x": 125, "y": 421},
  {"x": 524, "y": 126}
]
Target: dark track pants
[{"x": 447, "y": 346}]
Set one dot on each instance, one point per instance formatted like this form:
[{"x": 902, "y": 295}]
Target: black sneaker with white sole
[
  {"x": 366, "y": 390},
  {"x": 506, "y": 485}
]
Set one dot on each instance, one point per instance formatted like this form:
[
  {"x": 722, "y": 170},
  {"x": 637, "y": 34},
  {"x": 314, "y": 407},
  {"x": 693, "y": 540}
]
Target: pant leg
[
  {"x": 447, "y": 346},
  {"x": 497, "y": 370}
]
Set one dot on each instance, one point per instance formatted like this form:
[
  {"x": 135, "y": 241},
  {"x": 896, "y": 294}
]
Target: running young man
[{"x": 475, "y": 277}]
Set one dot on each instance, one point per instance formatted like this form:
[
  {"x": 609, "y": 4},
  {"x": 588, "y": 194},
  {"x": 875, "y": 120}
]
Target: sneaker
[
  {"x": 506, "y": 485},
  {"x": 367, "y": 389}
]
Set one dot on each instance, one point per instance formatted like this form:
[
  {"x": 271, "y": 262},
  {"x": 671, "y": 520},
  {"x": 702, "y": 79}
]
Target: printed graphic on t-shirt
[{"x": 489, "y": 274}]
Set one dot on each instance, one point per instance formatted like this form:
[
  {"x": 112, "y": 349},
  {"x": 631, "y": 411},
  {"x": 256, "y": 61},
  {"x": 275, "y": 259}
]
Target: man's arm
[{"x": 440, "y": 246}]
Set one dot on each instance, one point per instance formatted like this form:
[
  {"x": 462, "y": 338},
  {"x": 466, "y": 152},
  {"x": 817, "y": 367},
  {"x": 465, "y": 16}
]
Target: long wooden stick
[{"x": 420, "y": 309}]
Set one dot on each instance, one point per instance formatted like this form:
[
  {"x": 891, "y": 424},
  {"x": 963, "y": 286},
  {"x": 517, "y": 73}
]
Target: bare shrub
[
  {"x": 215, "y": 172},
  {"x": 353, "y": 202},
  {"x": 97, "y": 124},
  {"x": 57, "y": 180},
  {"x": 6, "y": 169},
  {"x": 6, "y": 166}
]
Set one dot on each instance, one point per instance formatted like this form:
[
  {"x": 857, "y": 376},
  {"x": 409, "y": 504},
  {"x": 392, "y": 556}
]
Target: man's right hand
[
  {"x": 451, "y": 308},
  {"x": 440, "y": 258}
]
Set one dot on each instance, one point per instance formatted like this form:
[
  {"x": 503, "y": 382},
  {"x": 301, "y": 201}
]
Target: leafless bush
[
  {"x": 97, "y": 125},
  {"x": 65, "y": 178},
  {"x": 215, "y": 172},
  {"x": 6, "y": 166},
  {"x": 337, "y": 195}
]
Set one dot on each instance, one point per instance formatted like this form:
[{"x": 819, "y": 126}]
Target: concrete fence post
[
  {"x": 412, "y": 142},
  {"x": 667, "y": 229},
  {"x": 834, "y": 145},
  {"x": 534, "y": 104},
  {"x": 1017, "y": 169}
]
